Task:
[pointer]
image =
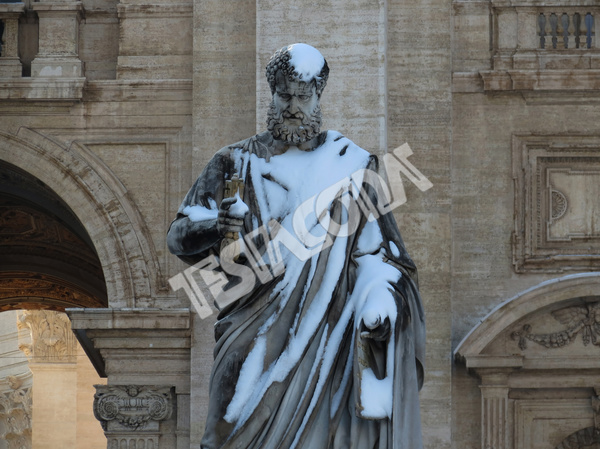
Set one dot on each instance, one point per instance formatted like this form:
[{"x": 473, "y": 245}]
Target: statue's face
[
  {"x": 295, "y": 115},
  {"x": 295, "y": 100}
]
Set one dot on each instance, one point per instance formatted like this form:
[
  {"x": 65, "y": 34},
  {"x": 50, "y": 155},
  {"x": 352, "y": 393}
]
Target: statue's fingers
[
  {"x": 226, "y": 220},
  {"x": 227, "y": 202}
]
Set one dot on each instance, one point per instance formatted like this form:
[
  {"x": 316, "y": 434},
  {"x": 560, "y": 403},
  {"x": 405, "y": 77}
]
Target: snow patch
[
  {"x": 307, "y": 61},
  {"x": 239, "y": 209},
  {"x": 201, "y": 213},
  {"x": 376, "y": 395}
]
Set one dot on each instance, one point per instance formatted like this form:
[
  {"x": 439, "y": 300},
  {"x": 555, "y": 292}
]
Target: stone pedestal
[
  {"x": 58, "y": 54},
  {"x": 10, "y": 65}
]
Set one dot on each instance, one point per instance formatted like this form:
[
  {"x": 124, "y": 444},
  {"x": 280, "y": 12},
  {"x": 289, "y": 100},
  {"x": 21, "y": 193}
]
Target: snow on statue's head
[
  {"x": 297, "y": 75},
  {"x": 298, "y": 62}
]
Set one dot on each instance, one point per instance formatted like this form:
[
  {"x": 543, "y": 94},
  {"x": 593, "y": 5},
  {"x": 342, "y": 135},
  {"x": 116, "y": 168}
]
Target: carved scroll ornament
[{"x": 132, "y": 407}]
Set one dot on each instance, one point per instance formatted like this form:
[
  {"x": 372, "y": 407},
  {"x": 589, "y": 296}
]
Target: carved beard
[{"x": 310, "y": 128}]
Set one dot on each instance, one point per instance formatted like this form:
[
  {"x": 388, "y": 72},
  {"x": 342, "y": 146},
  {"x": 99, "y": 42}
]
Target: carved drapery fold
[
  {"x": 131, "y": 414},
  {"x": 52, "y": 340}
]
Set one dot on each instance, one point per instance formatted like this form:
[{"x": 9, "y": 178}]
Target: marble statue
[{"x": 320, "y": 335}]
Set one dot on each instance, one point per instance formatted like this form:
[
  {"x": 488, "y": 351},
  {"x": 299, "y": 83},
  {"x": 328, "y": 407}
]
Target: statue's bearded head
[{"x": 297, "y": 75}]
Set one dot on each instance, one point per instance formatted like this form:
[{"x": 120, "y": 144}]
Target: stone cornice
[
  {"x": 174, "y": 10},
  {"x": 114, "y": 339},
  {"x": 66, "y": 89}
]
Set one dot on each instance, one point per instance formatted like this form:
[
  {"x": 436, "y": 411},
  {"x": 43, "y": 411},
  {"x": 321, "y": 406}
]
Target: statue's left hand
[{"x": 379, "y": 332}]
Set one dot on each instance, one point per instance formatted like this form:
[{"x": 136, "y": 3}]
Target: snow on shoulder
[{"x": 307, "y": 61}]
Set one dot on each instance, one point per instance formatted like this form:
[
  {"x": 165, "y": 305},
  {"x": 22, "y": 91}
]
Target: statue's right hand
[{"x": 226, "y": 221}]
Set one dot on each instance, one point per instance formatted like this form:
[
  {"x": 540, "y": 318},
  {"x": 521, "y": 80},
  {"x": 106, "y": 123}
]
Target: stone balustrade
[
  {"x": 56, "y": 71},
  {"x": 563, "y": 30},
  {"x": 10, "y": 65}
]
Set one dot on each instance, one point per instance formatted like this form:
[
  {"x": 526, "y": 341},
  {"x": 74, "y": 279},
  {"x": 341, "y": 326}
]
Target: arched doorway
[
  {"x": 128, "y": 337},
  {"x": 536, "y": 358},
  {"x": 47, "y": 264},
  {"x": 47, "y": 260}
]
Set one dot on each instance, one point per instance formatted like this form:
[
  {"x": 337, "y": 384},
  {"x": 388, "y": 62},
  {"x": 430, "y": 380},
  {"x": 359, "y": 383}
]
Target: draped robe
[{"x": 294, "y": 366}]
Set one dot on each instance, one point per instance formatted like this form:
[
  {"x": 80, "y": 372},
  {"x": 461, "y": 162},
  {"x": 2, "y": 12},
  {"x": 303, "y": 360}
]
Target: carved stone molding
[
  {"x": 15, "y": 412},
  {"x": 131, "y": 414},
  {"x": 52, "y": 340},
  {"x": 557, "y": 179}
]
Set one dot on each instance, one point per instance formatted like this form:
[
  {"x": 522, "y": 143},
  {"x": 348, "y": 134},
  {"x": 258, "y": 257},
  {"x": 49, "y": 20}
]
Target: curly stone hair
[{"x": 280, "y": 61}]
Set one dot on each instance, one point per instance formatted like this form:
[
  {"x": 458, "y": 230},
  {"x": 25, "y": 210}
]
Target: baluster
[
  {"x": 577, "y": 26},
  {"x": 589, "y": 26},
  {"x": 542, "y": 25},
  {"x": 553, "y": 29},
  {"x": 565, "y": 26}
]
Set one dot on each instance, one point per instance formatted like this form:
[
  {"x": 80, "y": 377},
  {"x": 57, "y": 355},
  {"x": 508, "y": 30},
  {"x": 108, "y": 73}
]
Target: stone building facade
[{"x": 109, "y": 110}]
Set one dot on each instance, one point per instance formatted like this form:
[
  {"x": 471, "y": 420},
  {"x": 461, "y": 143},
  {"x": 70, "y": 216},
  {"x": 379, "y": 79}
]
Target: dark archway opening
[{"x": 47, "y": 260}]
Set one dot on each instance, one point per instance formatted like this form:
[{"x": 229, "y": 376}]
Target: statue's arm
[
  {"x": 190, "y": 238},
  {"x": 204, "y": 217}
]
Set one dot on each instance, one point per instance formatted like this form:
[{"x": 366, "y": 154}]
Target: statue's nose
[{"x": 293, "y": 109}]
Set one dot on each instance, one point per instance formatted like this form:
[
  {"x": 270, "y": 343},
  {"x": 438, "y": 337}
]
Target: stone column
[
  {"x": 58, "y": 54},
  {"x": 52, "y": 355},
  {"x": 131, "y": 415},
  {"x": 10, "y": 65},
  {"x": 495, "y": 416}
]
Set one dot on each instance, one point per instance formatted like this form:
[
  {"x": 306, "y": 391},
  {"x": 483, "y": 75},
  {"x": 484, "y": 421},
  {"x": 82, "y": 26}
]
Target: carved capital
[
  {"x": 52, "y": 339},
  {"x": 132, "y": 408},
  {"x": 15, "y": 412}
]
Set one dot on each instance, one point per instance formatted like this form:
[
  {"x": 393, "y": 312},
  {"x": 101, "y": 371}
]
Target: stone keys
[{"x": 230, "y": 244}]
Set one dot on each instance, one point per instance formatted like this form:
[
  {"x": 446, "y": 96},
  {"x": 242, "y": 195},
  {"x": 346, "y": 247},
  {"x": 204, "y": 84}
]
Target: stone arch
[
  {"x": 536, "y": 356},
  {"x": 550, "y": 294},
  {"x": 102, "y": 205},
  {"x": 587, "y": 438}
]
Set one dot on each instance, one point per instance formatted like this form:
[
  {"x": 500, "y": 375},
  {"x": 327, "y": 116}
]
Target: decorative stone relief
[
  {"x": 15, "y": 412},
  {"x": 584, "y": 319},
  {"x": 51, "y": 337},
  {"x": 558, "y": 204},
  {"x": 557, "y": 186},
  {"x": 131, "y": 414}
]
